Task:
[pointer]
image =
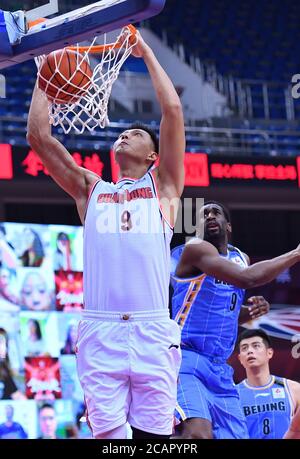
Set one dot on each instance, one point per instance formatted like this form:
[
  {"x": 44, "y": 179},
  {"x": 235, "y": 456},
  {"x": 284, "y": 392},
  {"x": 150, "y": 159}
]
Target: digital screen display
[
  {"x": 41, "y": 297},
  {"x": 40, "y": 302}
]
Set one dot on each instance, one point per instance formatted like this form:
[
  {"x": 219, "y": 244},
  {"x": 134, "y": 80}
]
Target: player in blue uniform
[
  {"x": 210, "y": 279},
  {"x": 268, "y": 401}
]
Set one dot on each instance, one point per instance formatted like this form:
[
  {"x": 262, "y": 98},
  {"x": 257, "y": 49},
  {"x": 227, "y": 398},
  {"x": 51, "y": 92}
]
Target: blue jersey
[
  {"x": 207, "y": 309},
  {"x": 15, "y": 431},
  {"x": 268, "y": 409}
]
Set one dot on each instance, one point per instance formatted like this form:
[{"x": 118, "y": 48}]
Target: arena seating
[{"x": 247, "y": 39}]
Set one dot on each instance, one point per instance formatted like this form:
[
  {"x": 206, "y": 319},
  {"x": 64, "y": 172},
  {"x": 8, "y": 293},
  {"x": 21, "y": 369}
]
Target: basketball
[{"x": 64, "y": 76}]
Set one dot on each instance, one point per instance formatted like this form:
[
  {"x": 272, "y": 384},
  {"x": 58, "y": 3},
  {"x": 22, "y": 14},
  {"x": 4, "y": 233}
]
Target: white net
[{"x": 80, "y": 100}]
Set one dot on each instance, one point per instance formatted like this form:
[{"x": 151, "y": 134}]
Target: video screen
[{"x": 40, "y": 303}]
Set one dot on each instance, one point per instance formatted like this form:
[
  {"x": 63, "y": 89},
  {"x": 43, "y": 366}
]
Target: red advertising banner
[
  {"x": 196, "y": 169},
  {"x": 201, "y": 170},
  {"x": 6, "y": 164}
]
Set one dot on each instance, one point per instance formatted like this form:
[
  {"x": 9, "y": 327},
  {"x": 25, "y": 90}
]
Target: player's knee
[
  {"x": 197, "y": 435},
  {"x": 198, "y": 430},
  {"x": 202, "y": 435}
]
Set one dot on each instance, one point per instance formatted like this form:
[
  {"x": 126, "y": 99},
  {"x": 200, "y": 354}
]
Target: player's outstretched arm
[
  {"x": 75, "y": 180},
  {"x": 204, "y": 257},
  {"x": 172, "y": 135}
]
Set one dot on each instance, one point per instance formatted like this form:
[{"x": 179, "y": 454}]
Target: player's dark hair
[
  {"x": 46, "y": 405},
  {"x": 150, "y": 131},
  {"x": 225, "y": 210},
  {"x": 254, "y": 332}
]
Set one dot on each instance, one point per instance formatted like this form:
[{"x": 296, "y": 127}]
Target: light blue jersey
[
  {"x": 268, "y": 409},
  {"x": 207, "y": 311}
]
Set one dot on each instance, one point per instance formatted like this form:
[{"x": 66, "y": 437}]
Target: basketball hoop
[{"x": 89, "y": 110}]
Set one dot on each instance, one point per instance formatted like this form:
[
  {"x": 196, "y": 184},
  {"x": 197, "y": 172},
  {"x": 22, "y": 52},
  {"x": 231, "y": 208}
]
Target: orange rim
[
  {"x": 97, "y": 49},
  {"x": 35, "y": 22}
]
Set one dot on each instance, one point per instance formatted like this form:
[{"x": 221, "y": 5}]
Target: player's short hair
[
  {"x": 150, "y": 131},
  {"x": 46, "y": 405},
  {"x": 254, "y": 332},
  {"x": 225, "y": 210}
]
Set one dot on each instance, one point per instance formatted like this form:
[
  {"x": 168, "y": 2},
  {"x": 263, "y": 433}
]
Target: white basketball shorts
[{"x": 128, "y": 366}]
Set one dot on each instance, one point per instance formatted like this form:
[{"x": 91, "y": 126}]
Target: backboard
[
  {"x": 40, "y": 8},
  {"x": 19, "y": 45},
  {"x": 34, "y": 8}
]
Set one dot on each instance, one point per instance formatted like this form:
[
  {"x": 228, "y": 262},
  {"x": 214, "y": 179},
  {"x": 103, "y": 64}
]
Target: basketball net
[{"x": 89, "y": 109}]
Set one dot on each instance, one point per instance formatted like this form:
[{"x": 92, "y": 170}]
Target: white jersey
[{"x": 126, "y": 248}]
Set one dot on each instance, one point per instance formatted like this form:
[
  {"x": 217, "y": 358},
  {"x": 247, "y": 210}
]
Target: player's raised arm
[
  {"x": 205, "y": 257},
  {"x": 75, "y": 180},
  {"x": 171, "y": 136}
]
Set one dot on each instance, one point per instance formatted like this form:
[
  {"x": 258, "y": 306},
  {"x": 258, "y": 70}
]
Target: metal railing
[
  {"x": 251, "y": 98},
  {"x": 212, "y": 140},
  {"x": 246, "y": 97}
]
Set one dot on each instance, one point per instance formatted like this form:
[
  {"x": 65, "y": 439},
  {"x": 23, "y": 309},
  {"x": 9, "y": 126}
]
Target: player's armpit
[
  {"x": 293, "y": 432},
  {"x": 294, "y": 388}
]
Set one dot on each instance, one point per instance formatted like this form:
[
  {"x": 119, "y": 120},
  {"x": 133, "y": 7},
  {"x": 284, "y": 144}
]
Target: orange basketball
[{"x": 64, "y": 76}]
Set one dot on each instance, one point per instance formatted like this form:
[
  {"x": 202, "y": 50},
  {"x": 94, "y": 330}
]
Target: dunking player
[
  {"x": 211, "y": 277},
  {"x": 128, "y": 347},
  {"x": 268, "y": 401}
]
